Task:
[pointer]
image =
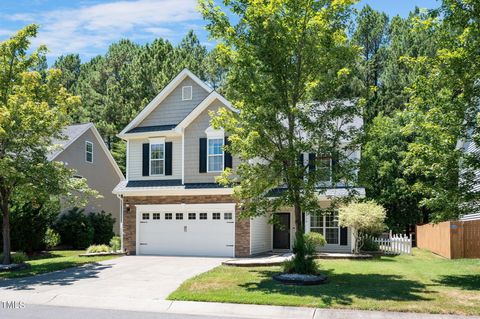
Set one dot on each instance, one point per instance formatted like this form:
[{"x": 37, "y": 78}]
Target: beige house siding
[
  {"x": 100, "y": 175},
  {"x": 193, "y": 133},
  {"x": 172, "y": 110},
  {"x": 135, "y": 155}
]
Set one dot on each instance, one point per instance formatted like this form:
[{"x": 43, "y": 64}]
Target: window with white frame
[
  {"x": 186, "y": 93},
  {"x": 89, "y": 152},
  {"x": 327, "y": 225},
  {"x": 157, "y": 158},
  {"x": 325, "y": 168},
  {"x": 215, "y": 155}
]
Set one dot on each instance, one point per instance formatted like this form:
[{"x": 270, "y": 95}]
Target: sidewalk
[{"x": 210, "y": 308}]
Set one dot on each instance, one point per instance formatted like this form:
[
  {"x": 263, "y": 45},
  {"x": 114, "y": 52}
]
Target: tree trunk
[
  {"x": 299, "y": 225},
  {"x": 6, "y": 231}
]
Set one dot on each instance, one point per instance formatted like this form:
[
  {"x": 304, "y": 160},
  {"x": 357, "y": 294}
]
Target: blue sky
[{"x": 87, "y": 27}]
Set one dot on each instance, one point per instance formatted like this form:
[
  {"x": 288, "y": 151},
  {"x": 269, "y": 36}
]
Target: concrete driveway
[{"x": 126, "y": 279}]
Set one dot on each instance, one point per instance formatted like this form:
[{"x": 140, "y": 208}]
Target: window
[
  {"x": 192, "y": 216},
  {"x": 186, "y": 93},
  {"x": 179, "y": 216},
  {"x": 215, "y": 155},
  {"x": 157, "y": 159},
  {"x": 156, "y": 216},
  {"x": 227, "y": 215},
  {"x": 89, "y": 152},
  {"x": 326, "y": 225},
  {"x": 216, "y": 216},
  {"x": 325, "y": 168},
  {"x": 168, "y": 216},
  {"x": 145, "y": 216},
  {"x": 203, "y": 216}
]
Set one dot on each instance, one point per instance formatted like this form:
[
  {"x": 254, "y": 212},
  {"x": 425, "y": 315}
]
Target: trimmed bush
[
  {"x": 98, "y": 249},
  {"x": 115, "y": 243},
  {"x": 369, "y": 244},
  {"x": 102, "y": 224},
  {"x": 16, "y": 257},
  {"x": 51, "y": 239},
  {"x": 304, "y": 248}
]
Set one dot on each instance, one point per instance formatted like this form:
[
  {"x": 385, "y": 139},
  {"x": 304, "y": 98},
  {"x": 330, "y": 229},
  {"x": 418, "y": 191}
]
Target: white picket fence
[{"x": 394, "y": 244}]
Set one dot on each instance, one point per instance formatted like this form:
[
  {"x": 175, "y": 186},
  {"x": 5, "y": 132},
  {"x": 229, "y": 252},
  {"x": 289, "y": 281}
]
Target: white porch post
[{"x": 307, "y": 223}]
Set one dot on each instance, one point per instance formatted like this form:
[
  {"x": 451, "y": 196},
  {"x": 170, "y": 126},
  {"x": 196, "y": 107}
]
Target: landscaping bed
[
  {"x": 422, "y": 282},
  {"x": 52, "y": 261}
]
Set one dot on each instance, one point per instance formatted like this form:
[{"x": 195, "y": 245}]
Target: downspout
[{"x": 121, "y": 221}]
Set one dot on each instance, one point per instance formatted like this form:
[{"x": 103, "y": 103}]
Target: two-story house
[{"x": 171, "y": 203}]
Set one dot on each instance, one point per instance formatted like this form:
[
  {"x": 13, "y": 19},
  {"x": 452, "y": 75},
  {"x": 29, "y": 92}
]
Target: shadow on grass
[
  {"x": 342, "y": 288},
  {"x": 43, "y": 255},
  {"x": 68, "y": 276},
  {"x": 465, "y": 282}
]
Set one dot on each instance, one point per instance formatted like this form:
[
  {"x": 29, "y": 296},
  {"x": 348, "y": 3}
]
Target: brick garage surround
[{"x": 242, "y": 226}]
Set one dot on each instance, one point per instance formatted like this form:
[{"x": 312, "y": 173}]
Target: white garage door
[{"x": 186, "y": 230}]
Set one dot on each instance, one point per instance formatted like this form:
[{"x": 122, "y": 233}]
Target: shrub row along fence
[{"x": 394, "y": 244}]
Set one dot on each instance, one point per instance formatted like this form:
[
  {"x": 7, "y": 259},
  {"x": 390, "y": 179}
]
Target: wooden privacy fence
[
  {"x": 452, "y": 239},
  {"x": 394, "y": 244}
]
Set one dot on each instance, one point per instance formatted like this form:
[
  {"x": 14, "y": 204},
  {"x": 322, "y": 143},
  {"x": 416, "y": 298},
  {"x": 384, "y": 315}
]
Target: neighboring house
[
  {"x": 84, "y": 150},
  {"x": 171, "y": 203}
]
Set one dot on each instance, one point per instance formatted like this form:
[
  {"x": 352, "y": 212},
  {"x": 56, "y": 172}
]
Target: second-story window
[
  {"x": 89, "y": 152},
  {"x": 325, "y": 168},
  {"x": 215, "y": 155},
  {"x": 157, "y": 159}
]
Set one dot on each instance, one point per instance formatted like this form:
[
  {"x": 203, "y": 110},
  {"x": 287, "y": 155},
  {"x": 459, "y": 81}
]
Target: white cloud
[{"x": 87, "y": 29}]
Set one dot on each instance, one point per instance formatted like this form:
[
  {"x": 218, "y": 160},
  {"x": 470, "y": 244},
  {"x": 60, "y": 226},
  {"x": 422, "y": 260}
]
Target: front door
[{"x": 281, "y": 231}]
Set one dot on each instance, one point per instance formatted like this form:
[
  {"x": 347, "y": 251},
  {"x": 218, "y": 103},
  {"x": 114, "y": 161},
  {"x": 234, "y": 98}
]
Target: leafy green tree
[
  {"x": 32, "y": 112},
  {"x": 371, "y": 34},
  {"x": 282, "y": 56}
]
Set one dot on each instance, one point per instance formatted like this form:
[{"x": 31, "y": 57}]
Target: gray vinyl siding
[
  {"x": 135, "y": 156},
  {"x": 471, "y": 148},
  {"x": 193, "y": 133},
  {"x": 172, "y": 110},
  {"x": 100, "y": 175}
]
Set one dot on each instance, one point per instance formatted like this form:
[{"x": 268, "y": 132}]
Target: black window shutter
[
  {"x": 168, "y": 158},
  {"x": 203, "y": 155},
  {"x": 146, "y": 160},
  {"x": 228, "y": 157},
  {"x": 311, "y": 162},
  {"x": 300, "y": 159},
  {"x": 343, "y": 236}
]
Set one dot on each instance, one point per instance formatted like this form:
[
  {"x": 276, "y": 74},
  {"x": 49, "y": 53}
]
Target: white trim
[
  {"x": 213, "y": 133},
  {"x": 169, "y": 191},
  {"x": 156, "y": 142},
  {"x": 183, "y": 157},
  {"x": 86, "y": 152},
  {"x": 183, "y": 92},
  {"x": 144, "y": 135},
  {"x": 127, "y": 161},
  {"x": 201, "y": 107},
  {"x": 162, "y": 95}
]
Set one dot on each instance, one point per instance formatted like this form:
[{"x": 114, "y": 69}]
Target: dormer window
[{"x": 186, "y": 93}]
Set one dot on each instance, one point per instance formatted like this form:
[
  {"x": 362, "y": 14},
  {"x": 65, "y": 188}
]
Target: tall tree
[
  {"x": 282, "y": 55},
  {"x": 32, "y": 112}
]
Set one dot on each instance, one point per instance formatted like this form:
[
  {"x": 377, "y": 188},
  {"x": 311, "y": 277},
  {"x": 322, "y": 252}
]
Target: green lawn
[
  {"x": 423, "y": 282},
  {"x": 54, "y": 260}
]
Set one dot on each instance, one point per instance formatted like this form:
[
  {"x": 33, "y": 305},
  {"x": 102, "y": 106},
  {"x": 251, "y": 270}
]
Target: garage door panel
[{"x": 186, "y": 237}]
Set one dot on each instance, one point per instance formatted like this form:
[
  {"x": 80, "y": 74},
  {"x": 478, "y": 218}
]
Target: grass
[
  {"x": 54, "y": 260},
  {"x": 423, "y": 282}
]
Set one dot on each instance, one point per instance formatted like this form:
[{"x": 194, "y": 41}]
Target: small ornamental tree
[
  {"x": 362, "y": 218},
  {"x": 286, "y": 60}
]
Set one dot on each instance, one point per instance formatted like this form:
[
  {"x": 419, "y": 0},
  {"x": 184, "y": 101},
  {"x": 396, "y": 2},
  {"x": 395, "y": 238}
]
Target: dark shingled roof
[
  {"x": 155, "y": 128},
  {"x": 153, "y": 183},
  {"x": 202, "y": 185}
]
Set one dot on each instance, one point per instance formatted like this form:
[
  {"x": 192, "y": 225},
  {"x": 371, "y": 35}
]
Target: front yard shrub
[
  {"x": 102, "y": 224},
  {"x": 17, "y": 257},
  {"x": 368, "y": 244},
  {"x": 75, "y": 229},
  {"x": 98, "y": 249},
  {"x": 115, "y": 243},
  {"x": 304, "y": 249},
  {"x": 52, "y": 238}
]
